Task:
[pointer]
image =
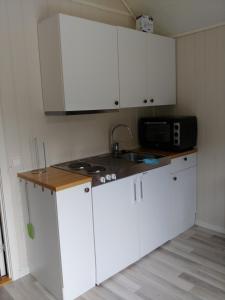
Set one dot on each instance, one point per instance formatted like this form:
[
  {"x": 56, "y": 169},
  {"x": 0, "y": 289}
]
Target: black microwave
[{"x": 168, "y": 133}]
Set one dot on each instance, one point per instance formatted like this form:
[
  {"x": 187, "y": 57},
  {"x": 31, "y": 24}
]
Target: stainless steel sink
[
  {"x": 138, "y": 157},
  {"x": 130, "y": 157}
]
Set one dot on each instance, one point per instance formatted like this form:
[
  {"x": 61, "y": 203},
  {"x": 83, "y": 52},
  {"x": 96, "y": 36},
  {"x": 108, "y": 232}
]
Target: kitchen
[{"x": 74, "y": 137}]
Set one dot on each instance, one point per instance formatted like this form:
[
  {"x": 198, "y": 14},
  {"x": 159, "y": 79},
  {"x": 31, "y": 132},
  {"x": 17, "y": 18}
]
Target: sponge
[{"x": 150, "y": 161}]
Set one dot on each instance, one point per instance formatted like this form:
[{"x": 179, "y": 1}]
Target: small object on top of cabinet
[{"x": 145, "y": 23}]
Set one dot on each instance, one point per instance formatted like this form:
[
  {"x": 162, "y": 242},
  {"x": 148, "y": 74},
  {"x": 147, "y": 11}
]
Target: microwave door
[{"x": 157, "y": 134}]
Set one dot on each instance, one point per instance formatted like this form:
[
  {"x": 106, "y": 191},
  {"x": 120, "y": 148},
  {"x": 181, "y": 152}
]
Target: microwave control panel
[{"x": 176, "y": 134}]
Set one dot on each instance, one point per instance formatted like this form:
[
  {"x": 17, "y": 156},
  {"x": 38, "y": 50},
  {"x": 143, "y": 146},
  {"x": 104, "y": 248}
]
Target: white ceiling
[{"x": 173, "y": 17}]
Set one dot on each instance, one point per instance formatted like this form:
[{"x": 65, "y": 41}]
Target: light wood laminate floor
[{"x": 191, "y": 267}]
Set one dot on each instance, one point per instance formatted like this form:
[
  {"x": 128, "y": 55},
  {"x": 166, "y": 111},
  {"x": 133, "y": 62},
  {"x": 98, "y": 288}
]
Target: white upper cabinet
[
  {"x": 79, "y": 64},
  {"x": 91, "y": 66},
  {"x": 161, "y": 70},
  {"x": 147, "y": 69},
  {"x": 132, "y": 47}
]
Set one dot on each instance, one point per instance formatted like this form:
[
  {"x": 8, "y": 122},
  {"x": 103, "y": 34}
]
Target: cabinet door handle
[
  {"x": 87, "y": 190},
  {"x": 135, "y": 192},
  {"x": 141, "y": 186}
]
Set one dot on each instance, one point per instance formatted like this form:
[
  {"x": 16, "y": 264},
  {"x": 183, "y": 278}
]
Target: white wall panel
[
  {"x": 22, "y": 108},
  {"x": 201, "y": 91}
]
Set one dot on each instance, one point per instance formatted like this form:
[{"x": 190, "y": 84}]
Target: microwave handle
[{"x": 160, "y": 123}]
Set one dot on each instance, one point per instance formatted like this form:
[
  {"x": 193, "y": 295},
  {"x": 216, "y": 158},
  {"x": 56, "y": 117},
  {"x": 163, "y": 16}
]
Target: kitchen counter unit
[
  {"x": 168, "y": 154},
  {"x": 148, "y": 205},
  {"x": 55, "y": 179},
  {"x": 61, "y": 248}
]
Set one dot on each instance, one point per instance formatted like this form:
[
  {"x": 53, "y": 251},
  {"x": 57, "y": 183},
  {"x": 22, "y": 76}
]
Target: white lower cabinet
[
  {"x": 61, "y": 255},
  {"x": 138, "y": 214},
  {"x": 154, "y": 210},
  {"x": 124, "y": 220},
  {"x": 76, "y": 240},
  {"x": 183, "y": 200},
  {"x": 130, "y": 220},
  {"x": 115, "y": 226}
]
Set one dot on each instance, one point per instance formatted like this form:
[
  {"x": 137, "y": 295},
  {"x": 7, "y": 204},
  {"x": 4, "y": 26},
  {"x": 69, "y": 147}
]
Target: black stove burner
[
  {"x": 95, "y": 169},
  {"x": 79, "y": 166}
]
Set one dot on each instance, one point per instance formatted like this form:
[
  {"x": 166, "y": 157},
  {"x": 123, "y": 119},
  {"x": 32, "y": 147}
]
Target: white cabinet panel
[
  {"x": 132, "y": 45},
  {"x": 90, "y": 64},
  {"x": 138, "y": 214},
  {"x": 43, "y": 251},
  {"x": 161, "y": 70},
  {"x": 61, "y": 255},
  {"x": 183, "y": 186},
  {"x": 115, "y": 226},
  {"x": 183, "y": 162},
  {"x": 79, "y": 64},
  {"x": 154, "y": 209},
  {"x": 76, "y": 238}
]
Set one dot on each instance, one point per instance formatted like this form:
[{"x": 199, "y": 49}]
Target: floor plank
[{"x": 190, "y": 267}]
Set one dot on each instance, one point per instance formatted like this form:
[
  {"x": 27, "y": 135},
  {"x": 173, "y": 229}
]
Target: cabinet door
[
  {"x": 75, "y": 221},
  {"x": 183, "y": 185},
  {"x": 90, "y": 64},
  {"x": 155, "y": 209},
  {"x": 161, "y": 70},
  {"x": 115, "y": 226},
  {"x": 132, "y": 45}
]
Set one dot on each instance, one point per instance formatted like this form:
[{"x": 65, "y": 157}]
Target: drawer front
[{"x": 183, "y": 162}]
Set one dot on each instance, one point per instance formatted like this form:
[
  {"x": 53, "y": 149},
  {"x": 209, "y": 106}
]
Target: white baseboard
[
  {"x": 20, "y": 273},
  {"x": 216, "y": 228}
]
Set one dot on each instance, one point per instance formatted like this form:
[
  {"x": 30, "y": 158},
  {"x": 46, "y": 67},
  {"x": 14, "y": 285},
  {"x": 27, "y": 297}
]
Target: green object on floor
[{"x": 30, "y": 230}]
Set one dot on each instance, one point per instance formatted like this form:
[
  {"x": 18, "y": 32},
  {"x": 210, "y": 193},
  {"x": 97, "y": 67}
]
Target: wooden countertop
[
  {"x": 55, "y": 179},
  {"x": 169, "y": 154}
]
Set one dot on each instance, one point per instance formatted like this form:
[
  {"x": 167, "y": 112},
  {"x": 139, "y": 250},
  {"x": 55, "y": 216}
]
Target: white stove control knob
[
  {"x": 102, "y": 179},
  {"x": 108, "y": 177},
  {"x": 113, "y": 176}
]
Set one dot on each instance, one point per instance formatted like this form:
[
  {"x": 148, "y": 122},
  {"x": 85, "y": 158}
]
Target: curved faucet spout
[{"x": 115, "y": 145}]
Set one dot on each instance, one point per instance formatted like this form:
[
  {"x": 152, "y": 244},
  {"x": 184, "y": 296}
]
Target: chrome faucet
[{"x": 115, "y": 145}]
